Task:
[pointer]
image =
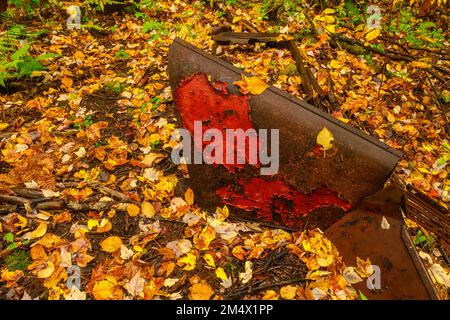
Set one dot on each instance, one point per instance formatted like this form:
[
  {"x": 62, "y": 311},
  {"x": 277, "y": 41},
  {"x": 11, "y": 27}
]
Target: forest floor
[{"x": 88, "y": 187}]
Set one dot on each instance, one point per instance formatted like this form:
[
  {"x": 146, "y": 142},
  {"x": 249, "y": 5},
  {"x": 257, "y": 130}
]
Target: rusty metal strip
[
  {"x": 360, "y": 234},
  {"x": 426, "y": 279}
]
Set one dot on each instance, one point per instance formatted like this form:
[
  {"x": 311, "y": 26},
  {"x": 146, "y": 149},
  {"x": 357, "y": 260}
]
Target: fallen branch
[
  {"x": 14, "y": 199},
  {"x": 115, "y": 194},
  {"x": 304, "y": 75},
  {"x": 390, "y": 54},
  {"x": 267, "y": 286}
]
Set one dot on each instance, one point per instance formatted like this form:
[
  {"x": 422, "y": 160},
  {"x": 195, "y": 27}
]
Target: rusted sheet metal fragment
[
  {"x": 356, "y": 166},
  {"x": 360, "y": 234}
]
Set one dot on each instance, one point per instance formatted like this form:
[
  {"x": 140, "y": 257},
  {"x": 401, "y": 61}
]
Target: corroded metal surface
[
  {"x": 357, "y": 166},
  {"x": 360, "y": 234},
  {"x": 337, "y": 191}
]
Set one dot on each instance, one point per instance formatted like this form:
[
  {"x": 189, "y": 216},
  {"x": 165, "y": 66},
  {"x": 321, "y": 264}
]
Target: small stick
[{"x": 268, "y": 286}]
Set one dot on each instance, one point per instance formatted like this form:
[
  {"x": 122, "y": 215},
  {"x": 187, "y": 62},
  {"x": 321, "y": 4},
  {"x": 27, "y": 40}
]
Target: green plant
[
  {"x": 155, "y": 28},
  {"x": 26, "y": 7},
  {"x": 415, "y": 31},
  {"x": 9, "y": 237},
  {"x": 424, "y": 240},
  {"x": 16, "y": 61},
  {"x": 99, "y": 5},
  {"x": 21, "y": 64},
  {"x": 115, "y": 87},
  {"x": 122, "y": 54},
  {"x": 18, "y": 260},
  {"x": 87, "y": 122},
  {"x": 349, "y": 12}
]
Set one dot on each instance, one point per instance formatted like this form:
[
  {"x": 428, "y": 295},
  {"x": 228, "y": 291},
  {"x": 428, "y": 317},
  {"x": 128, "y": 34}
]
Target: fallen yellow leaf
[
  {"x": 325, "y": 138},
  {"x": 67, "y": 82},
  {"x": 133, "y": 210},
  {"x": 239, "y": 252},
  {"x": 187, "y": 262},
  {"x": 200, "y": 291},
  {"x": 47, "y": 271},
  {"x": 373, "y": 34},
  {"x": 103, "y": 290},
  {"x": 288, "y": 292},
  {"x": 253, "y": 85},
  {"x": 205, "y": 237},
  {"x": 270, "y": 295},
  {"x": 148, "y": 210},
  {"x": 111, "y": 244},
  {"x": 419, "y": 65},
  {"x": 209, "y": 260},
  {"x": 189, "y": 196},
  {"x": 39, "y": 231},
  {"x": 3, "y": 126},
  {"x": 220, "y": 273}
]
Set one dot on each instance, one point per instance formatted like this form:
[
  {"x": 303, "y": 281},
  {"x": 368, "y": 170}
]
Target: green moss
[
  {"x": 18, "y": 260},
  {"x": 290, "y": 70}
]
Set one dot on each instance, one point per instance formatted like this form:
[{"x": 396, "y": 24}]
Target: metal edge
[
  {"x": 423, "y": 273},
  {"x": 287, "y": 96}
]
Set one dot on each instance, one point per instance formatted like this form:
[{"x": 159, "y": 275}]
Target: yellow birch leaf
[
  {"x": 209, "y": 260},
  {"x": 189, "y": 196},
  {"x": 325, "y": 138},
  {"x": 373, "y": 34},
  {"x": 39, "y": 231},
  {"x": 92, "y": 223},
  {"x": 133, "y": 210},
  {"x": 103, "y": 290},
  {"x": 111, "y": 244},
  {"x": 270, "y": 295},
  {"x": 3, "y": 126},
  {"x": 148, "y": 210},
  {"x": 187, "y": 262},
  {"x": 239, "y": 252},
  {"x": 220, "y": 273},
  {"x": 254, "y": 85},
  {"x": 288, "y": 292},
  {"x": 200, "y": 291},
  {"x": 47, "y": 271},
  {"x": 205, "y": 237}
]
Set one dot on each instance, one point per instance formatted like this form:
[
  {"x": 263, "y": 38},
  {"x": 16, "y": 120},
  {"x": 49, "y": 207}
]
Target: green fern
[{"x": 16, "y": 62}]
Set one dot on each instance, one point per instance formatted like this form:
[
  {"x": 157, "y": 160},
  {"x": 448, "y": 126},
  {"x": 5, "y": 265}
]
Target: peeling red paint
[
  {"x": 275, "y": 197},
  {"x": 197, "y": 100}
]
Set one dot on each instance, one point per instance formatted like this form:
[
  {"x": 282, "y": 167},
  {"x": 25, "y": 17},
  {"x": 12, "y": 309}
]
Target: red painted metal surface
[
  {"x": 212, "y": 104},
  {"x": 275, "y": 198},
  {"x": 311, "y": 189},
  {"x": 216, "y": 108},
  {"x": 356, "y": 167}
]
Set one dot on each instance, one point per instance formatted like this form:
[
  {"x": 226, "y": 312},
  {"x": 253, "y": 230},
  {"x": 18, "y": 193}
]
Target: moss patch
[{"x": 18, "y": 260}]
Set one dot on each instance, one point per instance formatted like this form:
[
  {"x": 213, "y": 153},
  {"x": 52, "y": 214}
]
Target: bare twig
[
  {"x": 391, "y": 55},
  {"x": 267, "y": 286}
]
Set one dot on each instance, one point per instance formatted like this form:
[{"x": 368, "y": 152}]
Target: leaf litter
[{"x": 94, "y": 142}]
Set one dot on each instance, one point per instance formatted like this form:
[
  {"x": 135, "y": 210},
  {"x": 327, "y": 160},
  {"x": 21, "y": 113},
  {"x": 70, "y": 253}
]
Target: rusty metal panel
[
  {"x": 360, "y": 234},
  {"x": 324, "y": 185}
]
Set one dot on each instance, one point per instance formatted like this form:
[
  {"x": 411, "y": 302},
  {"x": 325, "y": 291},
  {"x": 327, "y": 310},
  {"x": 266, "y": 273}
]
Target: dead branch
[
  {"x": 390, "y": 54},
  {"x": 266, "y": 286}
]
